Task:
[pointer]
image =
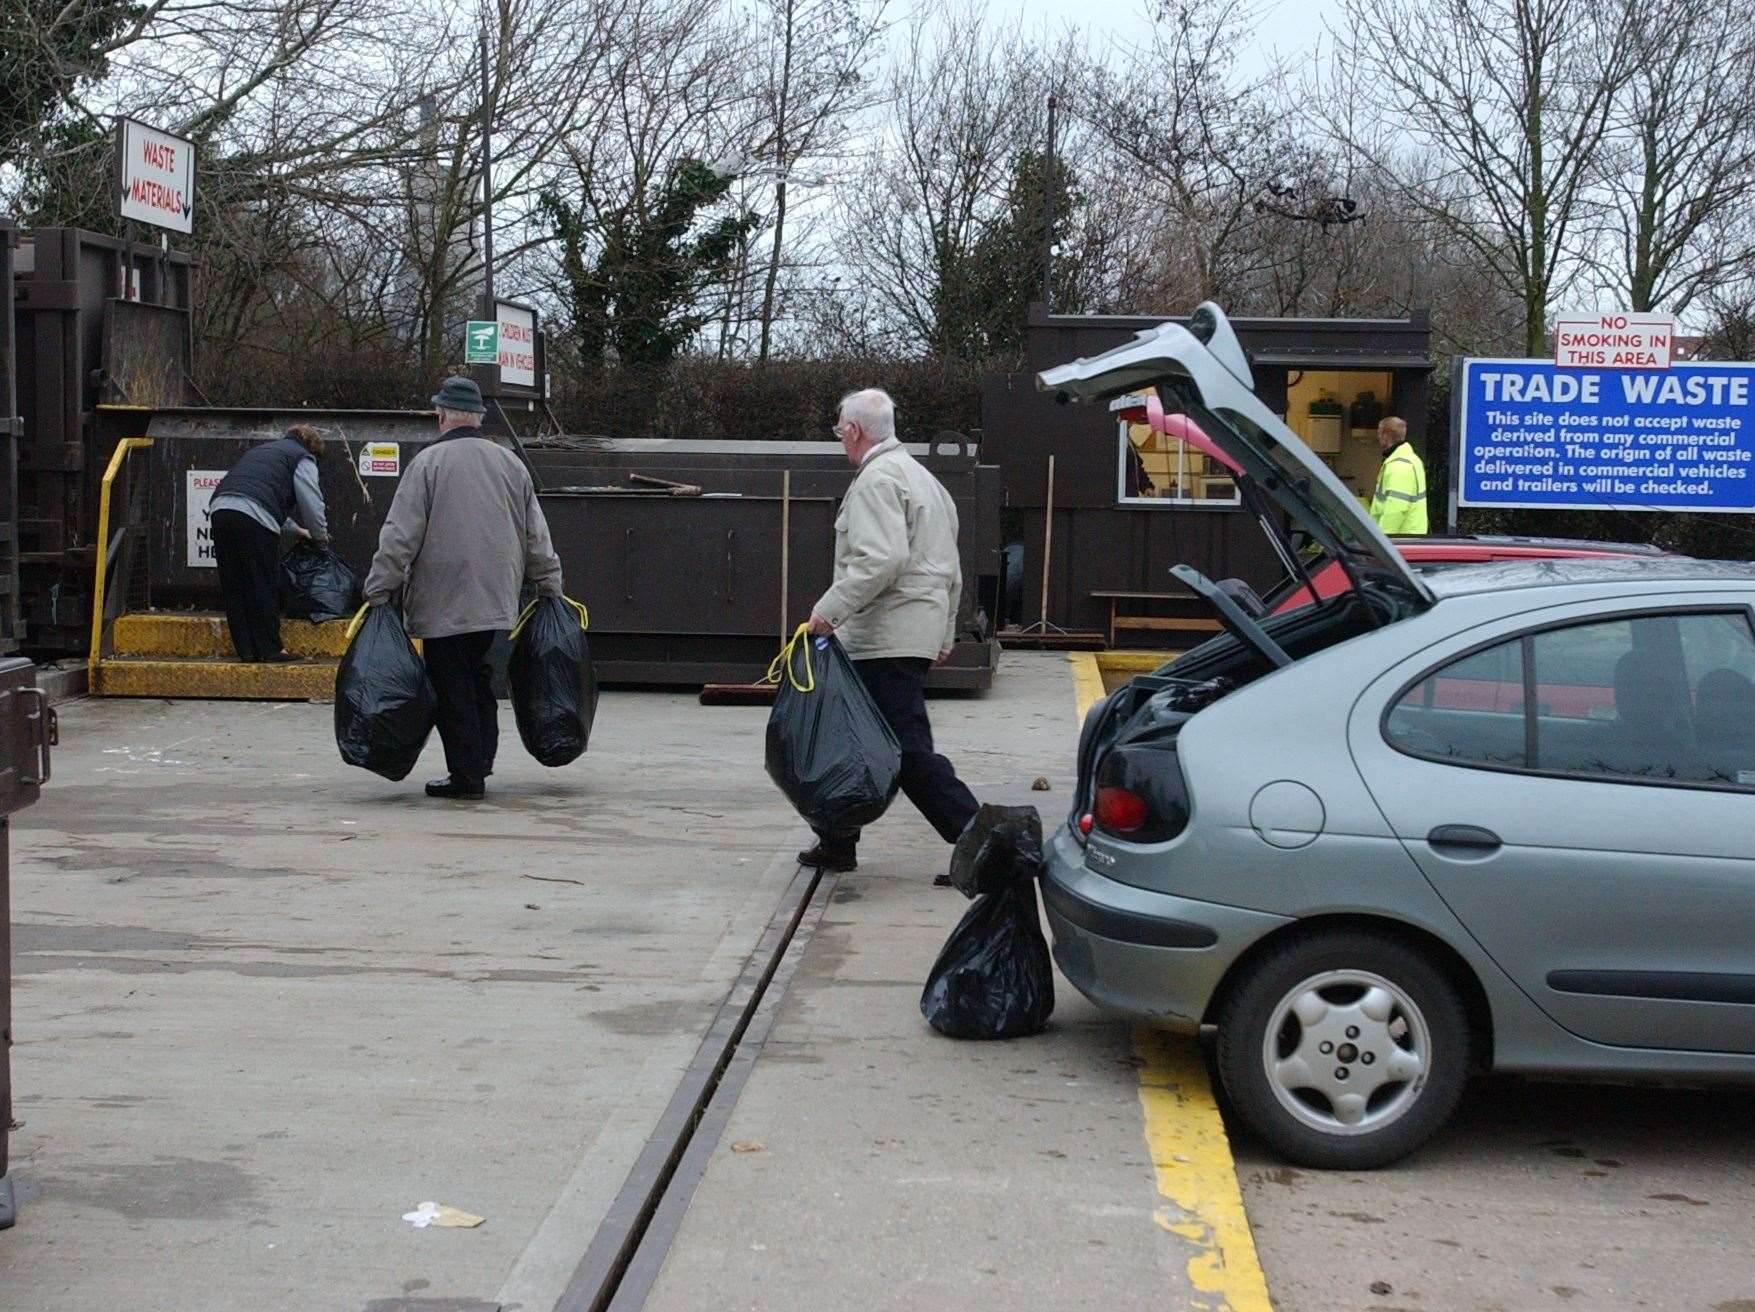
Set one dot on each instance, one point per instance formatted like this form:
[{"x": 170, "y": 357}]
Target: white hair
[
  {"x": 457, "y": 416},
  {"x": 873, "y": 410}
]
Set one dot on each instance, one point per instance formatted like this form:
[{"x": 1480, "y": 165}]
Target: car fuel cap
[{"x": 1287, "y": 814}]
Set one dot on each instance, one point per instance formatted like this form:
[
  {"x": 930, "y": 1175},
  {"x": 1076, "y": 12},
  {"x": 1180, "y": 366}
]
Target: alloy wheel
[{"x": 1347, "y": 1052}]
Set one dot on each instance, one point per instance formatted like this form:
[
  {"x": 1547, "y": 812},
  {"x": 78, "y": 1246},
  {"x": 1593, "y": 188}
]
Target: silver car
[{"x": 1502, "y": 816}]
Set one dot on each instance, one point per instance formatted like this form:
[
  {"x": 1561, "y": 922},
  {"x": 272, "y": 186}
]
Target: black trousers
[
  {"x": 248, "y": 557},
  {"x": 468, "y": 716},
  {"x": 898, "y": 686}
]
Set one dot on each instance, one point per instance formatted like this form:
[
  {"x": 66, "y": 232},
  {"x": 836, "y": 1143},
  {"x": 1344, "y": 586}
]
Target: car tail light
[
  {"x": 1120, "y": 811},
  {"x": 1085, "y": 822},
  {"x": 1141, "y": 794}
]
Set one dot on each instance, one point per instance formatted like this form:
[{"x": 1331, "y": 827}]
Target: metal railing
[{"x": 112, "y": 548}]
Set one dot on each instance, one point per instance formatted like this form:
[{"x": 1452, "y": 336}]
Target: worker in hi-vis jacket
[{"x": 1399, "y": 504}]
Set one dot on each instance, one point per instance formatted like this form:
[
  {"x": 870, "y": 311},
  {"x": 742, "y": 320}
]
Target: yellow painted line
[
  {"x": 1197, "y": 1176},
  {"x": 1191, "y": 1156},
  {"x": 1087, "y": 681}
]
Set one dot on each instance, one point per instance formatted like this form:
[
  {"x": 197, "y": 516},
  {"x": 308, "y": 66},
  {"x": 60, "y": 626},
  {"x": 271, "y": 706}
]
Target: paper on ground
[{"x": 431, "y": 1213}]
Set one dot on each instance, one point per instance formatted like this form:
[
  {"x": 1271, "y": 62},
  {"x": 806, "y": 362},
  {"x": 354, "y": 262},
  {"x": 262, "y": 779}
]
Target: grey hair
[
  {"x": 873, "y": 410},
  {"x": 466, "y": 416}
]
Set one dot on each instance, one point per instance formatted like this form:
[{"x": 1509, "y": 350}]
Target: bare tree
[
  {"x": 1510, "y": 101},
  {"x": 673, "y": 127},
  {"x": 815, "y": 83},
  {"x": 966, "y": 100},
  {"x": 1680, "y": 163},
  {"x": 1199, "y": 141}
]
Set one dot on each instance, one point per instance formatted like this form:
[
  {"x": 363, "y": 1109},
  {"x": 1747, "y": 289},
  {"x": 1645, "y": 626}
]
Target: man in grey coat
[
  {"x": 464, "y": 533},
  {"x": 898, "y": 583}
]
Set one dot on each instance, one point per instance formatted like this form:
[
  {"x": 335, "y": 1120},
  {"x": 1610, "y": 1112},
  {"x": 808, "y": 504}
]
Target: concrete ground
[
  {"x": 265, "y": 1005},
  {"x": 871, "y": 1163},
  {"x": 1537, "y": 1197}
]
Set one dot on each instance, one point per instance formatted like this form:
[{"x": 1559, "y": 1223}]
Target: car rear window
[{"x": 1653, "y": 698}]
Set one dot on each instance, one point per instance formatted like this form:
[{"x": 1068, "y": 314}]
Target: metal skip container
[
  {"x": 695, "y": 557},
  {"x": 27, "y": 732}
]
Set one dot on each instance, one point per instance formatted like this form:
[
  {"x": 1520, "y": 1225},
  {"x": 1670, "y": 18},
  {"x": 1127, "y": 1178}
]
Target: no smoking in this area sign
[{"x": 1621, "y": 340}]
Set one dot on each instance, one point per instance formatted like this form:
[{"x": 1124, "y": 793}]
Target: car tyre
[{"x": 1345, "y": 1050}]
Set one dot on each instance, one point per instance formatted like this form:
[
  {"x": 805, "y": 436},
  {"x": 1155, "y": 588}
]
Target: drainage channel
[{"x": 624, "y": 1259}]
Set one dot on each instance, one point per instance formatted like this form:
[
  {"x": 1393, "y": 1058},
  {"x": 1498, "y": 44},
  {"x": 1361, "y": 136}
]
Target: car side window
[
  {"x": 1470, "y": 711},
  {"x": 1664, "y": 698}
]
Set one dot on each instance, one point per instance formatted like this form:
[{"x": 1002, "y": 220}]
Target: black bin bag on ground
[
  {"x": 994, "y": 978},
  {"x": 1000, "y": 842},
  {"x": 829, "y": 748},
  {"x": 554, "y": 691},
  {"x": 384, "y": 702},
  {"x": 317, "y": 585}
]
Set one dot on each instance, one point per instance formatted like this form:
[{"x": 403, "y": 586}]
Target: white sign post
[
  {"x": 198, "y": 485},
  {"x": 1622, "y": 340},
  {"x": 517, "y": 346}
]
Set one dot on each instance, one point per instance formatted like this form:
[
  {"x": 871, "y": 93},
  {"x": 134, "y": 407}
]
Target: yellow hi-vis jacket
[{"x": 1399, "y": 505}]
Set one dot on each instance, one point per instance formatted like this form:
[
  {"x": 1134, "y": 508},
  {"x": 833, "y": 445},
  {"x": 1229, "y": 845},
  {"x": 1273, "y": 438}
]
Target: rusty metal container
[
  {"x": 9, "y": 430},
  {"x": 683, "y": 589},
  {"x": 98, "y": 320},
  {"x": 687, "y": 589},
  {"x": 27, "y": 732}
]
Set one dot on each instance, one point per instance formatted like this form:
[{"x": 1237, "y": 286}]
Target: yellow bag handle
[
  {"x": 781, "y": 666},
  {"x": 353, "y": 625},
  {"x": 524, "y": 616}
]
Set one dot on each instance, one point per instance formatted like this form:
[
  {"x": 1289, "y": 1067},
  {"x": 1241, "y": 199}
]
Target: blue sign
[{"x": 1536, "y": 435}]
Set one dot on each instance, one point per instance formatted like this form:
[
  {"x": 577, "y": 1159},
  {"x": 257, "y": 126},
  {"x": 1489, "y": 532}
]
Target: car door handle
[{"x": 1463, "y": 840}]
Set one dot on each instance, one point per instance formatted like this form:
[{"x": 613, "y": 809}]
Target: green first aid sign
[{"x": 481, "y": 342}]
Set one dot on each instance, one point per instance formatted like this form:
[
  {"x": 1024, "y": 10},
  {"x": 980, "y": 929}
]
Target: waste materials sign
[
  {"x": 198, "y": 485},
  {"x": 155, "y": 177},
  {"x": 1536, "y": 435},
  {"x": 481, "y": 342}
]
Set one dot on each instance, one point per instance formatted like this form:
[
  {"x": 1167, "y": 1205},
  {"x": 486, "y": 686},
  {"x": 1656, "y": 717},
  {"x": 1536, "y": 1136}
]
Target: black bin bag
[
  {"x": 384, "y": 702},
  {"x": 554, "y": 691},
  {"x": 1001, "y": 842},
  {"x": 829, "y": 748},
  {"x": 317, "y": 585},
  {"x": 994, "y": 978}
]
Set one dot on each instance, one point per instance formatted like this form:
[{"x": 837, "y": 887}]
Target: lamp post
[
  {"x": 487, "y": 171},
  {"x": 1048, "y": 216}
]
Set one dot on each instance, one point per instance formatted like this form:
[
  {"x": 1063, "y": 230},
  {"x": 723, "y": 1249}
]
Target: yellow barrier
[{"x": 123, "y": 448}]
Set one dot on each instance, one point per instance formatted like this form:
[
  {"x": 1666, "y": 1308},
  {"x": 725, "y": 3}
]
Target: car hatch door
[{"x": 1207, "y": 358}]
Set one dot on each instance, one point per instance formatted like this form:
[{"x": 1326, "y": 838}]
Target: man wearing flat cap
[{"x": 464, "y": 534}]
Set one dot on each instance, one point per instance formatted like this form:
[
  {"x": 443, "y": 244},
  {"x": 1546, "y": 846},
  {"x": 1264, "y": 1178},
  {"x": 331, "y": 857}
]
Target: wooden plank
[
  {"x": 1166, "y": 622},
  {"x": 1145, "y": 596}
]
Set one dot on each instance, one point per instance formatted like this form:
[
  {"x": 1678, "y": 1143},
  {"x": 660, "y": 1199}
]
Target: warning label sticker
[{"x": 381, "y": 459}]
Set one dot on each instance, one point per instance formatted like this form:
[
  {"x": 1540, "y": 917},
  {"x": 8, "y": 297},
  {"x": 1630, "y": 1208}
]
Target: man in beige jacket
[
  {"x": 464, "y": 533},
  {"x": 893, "y": 605}
]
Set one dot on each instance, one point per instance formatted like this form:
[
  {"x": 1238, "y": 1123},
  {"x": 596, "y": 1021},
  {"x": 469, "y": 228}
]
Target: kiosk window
[{"x": 1156, "y": 468}]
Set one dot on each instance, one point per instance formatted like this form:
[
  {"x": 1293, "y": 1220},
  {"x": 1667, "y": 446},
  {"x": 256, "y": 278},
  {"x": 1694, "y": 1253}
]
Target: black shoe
[
  {"x": 836, "y": 860},
  {"x": 456, "y": 792},
  {"x": 942, "y": 879}
]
